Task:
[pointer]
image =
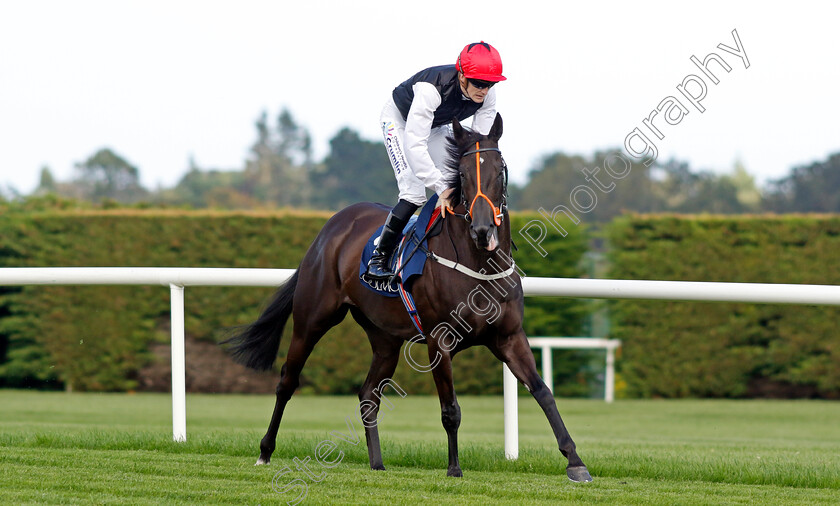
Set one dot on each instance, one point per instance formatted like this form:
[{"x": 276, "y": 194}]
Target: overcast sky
[{"x": 162, "y": 81}]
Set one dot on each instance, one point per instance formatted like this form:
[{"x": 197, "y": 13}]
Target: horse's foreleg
[
  {"x": 382, "y": 367},
  {"x": 450, "y": 411},
  {"x": 516, "y": 353}
]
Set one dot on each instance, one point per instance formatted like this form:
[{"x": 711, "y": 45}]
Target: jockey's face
[{"x": 474, "y": 93}]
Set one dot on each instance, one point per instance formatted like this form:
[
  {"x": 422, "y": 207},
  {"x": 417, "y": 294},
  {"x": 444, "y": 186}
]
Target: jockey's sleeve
[
  {"x": 418, "y": 127},
  {"x": 486, "y": 114}
]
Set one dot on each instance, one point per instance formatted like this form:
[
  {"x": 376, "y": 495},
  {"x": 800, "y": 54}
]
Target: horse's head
[{"x": 482, "y": 181}]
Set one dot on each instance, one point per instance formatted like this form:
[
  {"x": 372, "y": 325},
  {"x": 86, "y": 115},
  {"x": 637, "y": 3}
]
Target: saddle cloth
[{"x": 413, "y": 233}]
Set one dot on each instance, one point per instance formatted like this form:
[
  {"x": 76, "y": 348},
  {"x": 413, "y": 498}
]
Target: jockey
[{"x": 416, "y": 121}]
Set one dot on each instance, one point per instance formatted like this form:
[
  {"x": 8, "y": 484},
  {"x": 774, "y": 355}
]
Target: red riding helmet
[{"x": 480, "y": 60}]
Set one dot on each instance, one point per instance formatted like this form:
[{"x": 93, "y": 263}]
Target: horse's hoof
[
  {"x": 455, "y": 472},
  {"x": 578, "y": 474},
  {"x": 379, "y": 467},
  {"x": 262, "y": 462}
]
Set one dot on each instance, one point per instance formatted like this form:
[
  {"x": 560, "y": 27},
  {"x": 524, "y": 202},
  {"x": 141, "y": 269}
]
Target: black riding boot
[{"x": 394, "y": 224}]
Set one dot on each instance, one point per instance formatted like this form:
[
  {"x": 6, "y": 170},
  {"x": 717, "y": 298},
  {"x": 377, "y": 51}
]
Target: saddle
[{"x": 409, "y": 257}]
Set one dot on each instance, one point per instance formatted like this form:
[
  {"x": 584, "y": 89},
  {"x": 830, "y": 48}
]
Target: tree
[
  {"x": 107, "y": 175},
  {"x": 560, "y": 178},
  {"x": 684, "y": 191},
  {"x": 553, "y": 177},
  {"x": 610, "y": 183},
  {"x": 211, "y": 188},
  {"x": 809, "y": 188},
  {"x": 294, "y": 141},
  {"x": 355, "y": 170},
  {"x": 635, "y": 190},
  {"x": 47, "y": 183},
  {"x": 278, "y": 171},
  {"x": 748, "y": 194}
]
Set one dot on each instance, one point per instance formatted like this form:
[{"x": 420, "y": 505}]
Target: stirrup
[{"x": 377, "y": 267}]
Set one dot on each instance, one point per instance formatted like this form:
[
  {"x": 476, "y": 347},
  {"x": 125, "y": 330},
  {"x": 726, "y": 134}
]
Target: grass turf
[{"x": 116, "y": 448}]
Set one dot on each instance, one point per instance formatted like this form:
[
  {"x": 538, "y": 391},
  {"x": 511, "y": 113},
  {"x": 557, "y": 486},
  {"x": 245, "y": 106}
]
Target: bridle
[
  {"x": 498, "y": 217},
  {"x": 498, "y": 212}
]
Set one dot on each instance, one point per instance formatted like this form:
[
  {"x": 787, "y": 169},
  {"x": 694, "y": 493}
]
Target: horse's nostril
[{"x": 483, "y": 232}]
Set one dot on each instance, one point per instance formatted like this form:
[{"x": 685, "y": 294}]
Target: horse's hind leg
[
  {"x": 516, "y": 353},
  {"x": 386, "y": 355},
  {"x": 304, "y": 338}
]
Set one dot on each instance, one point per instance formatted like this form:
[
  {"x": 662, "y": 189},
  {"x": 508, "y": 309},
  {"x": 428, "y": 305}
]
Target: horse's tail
[{"x": 256, "y": 345}]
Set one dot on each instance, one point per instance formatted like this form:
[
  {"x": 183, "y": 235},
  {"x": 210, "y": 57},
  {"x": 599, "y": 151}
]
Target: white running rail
[
  {"x": 177, "y": 278},
  {"x": 174, "y": 277}
]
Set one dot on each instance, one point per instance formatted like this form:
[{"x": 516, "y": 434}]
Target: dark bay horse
[{"x": 326, "y": 286}]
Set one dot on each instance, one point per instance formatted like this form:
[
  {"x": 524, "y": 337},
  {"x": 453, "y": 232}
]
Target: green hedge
[
  {"x": 99, "y": 337},
  {"x": 683, "y": 349}
]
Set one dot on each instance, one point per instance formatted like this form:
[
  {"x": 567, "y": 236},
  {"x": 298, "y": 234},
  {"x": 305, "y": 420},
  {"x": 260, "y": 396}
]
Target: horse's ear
[
  {"x": 457, "y": 130},
  {"x": 496, "y": 129}
]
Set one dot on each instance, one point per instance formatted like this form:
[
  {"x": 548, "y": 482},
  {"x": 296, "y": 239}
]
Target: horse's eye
[{"x": 462, "y": 175}]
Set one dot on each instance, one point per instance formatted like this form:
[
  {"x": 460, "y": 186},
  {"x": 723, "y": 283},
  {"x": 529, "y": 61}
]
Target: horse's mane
[{"x": 454, "y": 151}]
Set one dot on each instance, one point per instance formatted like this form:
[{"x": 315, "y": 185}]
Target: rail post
[
  {"x": 179, "y": 390},
  {"x": 511, "y": 405}
]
